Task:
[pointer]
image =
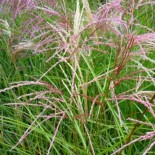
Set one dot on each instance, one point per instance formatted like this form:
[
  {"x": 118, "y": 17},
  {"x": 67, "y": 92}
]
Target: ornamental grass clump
[{"x": 82, "y": 74}]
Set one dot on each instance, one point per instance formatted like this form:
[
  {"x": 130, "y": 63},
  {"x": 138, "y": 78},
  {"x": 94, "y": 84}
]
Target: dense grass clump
[{"x": 77, "y": 77}]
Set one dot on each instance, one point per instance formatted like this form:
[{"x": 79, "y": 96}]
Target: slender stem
[{"x": 137, "y": 124}]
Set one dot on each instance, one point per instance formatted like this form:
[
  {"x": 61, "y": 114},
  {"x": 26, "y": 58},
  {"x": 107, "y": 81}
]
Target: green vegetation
[{"x": 77, "y": 77}]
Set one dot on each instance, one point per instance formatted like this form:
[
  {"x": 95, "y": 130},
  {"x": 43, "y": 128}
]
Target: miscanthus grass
[{"x": 77, "y": 77}]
